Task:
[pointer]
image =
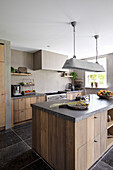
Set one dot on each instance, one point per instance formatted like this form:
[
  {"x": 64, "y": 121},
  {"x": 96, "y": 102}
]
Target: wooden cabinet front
[
  {"x": 22, "y": 110},
  {"x": 1, "y": 53},
  {"x": 40, "y": 99},
  {"x": 2, "y": 77},
  {"x": 96, "y": 137},
  {"x": 22, "y": 104},
  {"x": 73, "y": 95},
  {"x": 2, "y": 110},
  {"x": 2, "y": 88}
]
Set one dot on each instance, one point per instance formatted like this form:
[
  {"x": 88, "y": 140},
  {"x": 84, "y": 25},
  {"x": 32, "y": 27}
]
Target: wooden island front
[{"x": 71, "y": 140}]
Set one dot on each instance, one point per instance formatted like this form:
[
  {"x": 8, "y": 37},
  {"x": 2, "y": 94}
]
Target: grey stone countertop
[
  {"x": 96, "y": 105},
  {"x": 37, "y": 94}
]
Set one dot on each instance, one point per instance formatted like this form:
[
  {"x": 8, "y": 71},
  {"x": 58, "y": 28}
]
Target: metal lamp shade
[{"x": 74, "y": 63}]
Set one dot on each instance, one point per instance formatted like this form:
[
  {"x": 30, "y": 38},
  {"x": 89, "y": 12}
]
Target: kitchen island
[{"x": 72, "y": 139}]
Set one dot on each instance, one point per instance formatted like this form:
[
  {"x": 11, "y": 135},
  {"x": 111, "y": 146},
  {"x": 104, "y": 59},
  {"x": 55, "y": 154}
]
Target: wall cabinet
[
  {"x": 45, "y": 60},
  {"x": 2, "y": 87},
  {"x": 21, "y": 108}
]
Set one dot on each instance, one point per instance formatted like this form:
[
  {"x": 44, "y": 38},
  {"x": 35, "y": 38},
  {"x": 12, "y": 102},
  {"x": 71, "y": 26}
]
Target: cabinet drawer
[
  {"x": 16, "y": 116},
  {"x": 15, "y": 104},
  {"x": 82, "y": 158},
  {"x": 33, "y": 100},
  {"x": 81, "y": 133},
  {"x": 96, "y": 147},
  {"x": 40, "y": 99},
  {"x": 96, "y": 124},
  {"x": 90, "y": 153},
  {"x": 90, "y": 128},
  {"x": 103, "y": 140},
  {"x": 21, "y": 115},
  {"x": 28, "y": 113},
  {"x": 22, "y": 104},
  {"x": 28, "y": 103}
]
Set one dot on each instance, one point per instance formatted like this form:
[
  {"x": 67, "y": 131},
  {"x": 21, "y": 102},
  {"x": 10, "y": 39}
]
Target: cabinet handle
[
  {"x": 95, "y": 117},
  {"x": 95, "y": 141},
  {"x": 22, "y": 111}
]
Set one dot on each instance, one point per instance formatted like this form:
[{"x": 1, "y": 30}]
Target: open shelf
[
  {"x": 109, "y": 124},
  {"x": 109, "y": 142},
  {"x": 21, "y": 74},
  {"x": 27, "y": 85}
]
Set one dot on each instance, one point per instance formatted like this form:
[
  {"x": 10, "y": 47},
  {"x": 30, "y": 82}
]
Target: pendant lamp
[{"x": 74, "y": 63}]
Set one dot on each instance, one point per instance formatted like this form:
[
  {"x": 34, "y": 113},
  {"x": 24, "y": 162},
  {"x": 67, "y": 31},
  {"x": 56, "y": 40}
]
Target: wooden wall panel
[
  {"x": 1, "y": 53},
  {"x": 2, "y": 77}
]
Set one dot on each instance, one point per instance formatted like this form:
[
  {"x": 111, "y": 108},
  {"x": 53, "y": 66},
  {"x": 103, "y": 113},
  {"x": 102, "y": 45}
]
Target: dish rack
[{"x": 25, "y": 84}]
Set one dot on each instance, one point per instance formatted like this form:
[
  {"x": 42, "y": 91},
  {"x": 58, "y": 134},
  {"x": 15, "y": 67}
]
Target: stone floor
[{"x": 16, "y": 152}]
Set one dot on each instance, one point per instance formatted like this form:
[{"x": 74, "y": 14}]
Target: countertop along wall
[{"x": 45, "y": 81}]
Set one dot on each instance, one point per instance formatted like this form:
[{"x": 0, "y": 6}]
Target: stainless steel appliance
[
  {"x": 15, "y": 90},
  {"x": 58, "y": 95}
]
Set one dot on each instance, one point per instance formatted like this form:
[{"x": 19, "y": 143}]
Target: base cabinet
[
  {"x": 75, "y": 145},
  {"x": 21, "y": 109}
]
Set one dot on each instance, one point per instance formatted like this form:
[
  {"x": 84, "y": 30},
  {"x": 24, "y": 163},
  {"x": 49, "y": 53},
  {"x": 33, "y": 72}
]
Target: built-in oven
[{"x": 59, "y": 95}]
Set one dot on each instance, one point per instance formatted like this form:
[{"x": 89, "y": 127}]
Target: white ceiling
[{"x": 33, "y": 24}]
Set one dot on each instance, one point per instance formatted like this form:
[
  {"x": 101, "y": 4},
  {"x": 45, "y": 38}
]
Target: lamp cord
[
  {"x": 96, "y": 37},
  {"x": 96, "y": 51},
  {"x": 74, "y": 41}
]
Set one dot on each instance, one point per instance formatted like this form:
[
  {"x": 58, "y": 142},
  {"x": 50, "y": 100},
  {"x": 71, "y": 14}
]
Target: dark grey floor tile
[
  {"x": 8, "y": 138},
  {"x": 21, "y": 161},
  {"x": 11, "y": 152},
  {"x": 5, "y": 131},
  {"x": 29, "y": 142},
  {"x": 24, "y": 132},
  {"x": 108, "y": 158},
  {"x": 102, "y": 166},
  {"x": 38, "y": 165}
]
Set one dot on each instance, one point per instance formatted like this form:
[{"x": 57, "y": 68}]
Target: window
[{"x": 97, "y": 79}]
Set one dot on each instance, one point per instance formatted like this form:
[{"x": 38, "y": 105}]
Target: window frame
[{"x": 87, "y": 85}]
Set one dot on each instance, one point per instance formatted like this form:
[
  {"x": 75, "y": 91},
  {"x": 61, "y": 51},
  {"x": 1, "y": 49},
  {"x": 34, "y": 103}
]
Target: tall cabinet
[{"x": 2, "y": 87}]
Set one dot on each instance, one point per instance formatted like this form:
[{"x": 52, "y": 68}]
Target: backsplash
[{"x": 45, "y": 81}]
